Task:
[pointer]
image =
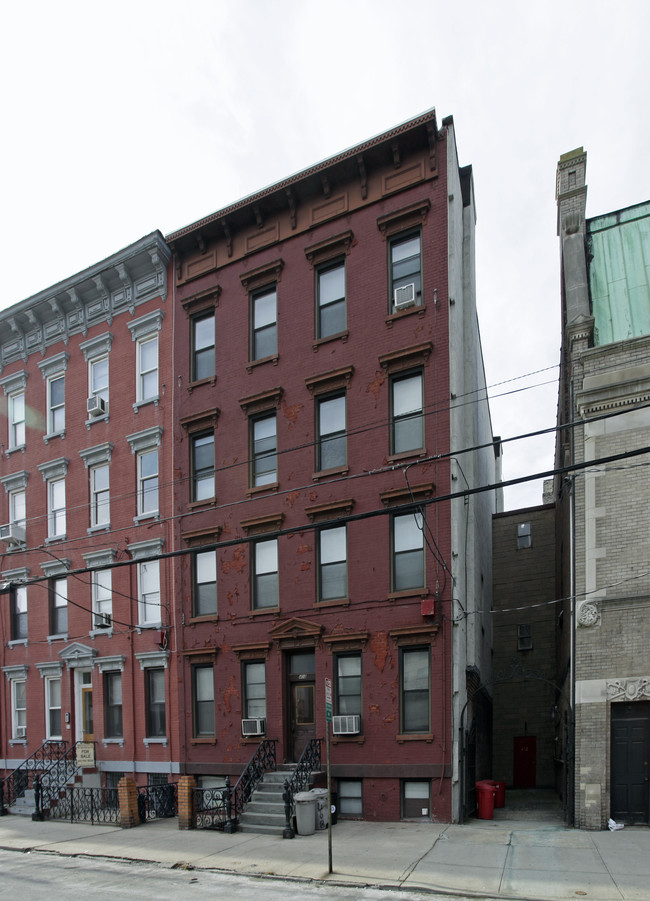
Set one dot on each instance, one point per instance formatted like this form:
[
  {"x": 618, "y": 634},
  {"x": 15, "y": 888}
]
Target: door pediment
[
  {"x": 296, "y": 633},
  {"x": 78, "y": 655}
]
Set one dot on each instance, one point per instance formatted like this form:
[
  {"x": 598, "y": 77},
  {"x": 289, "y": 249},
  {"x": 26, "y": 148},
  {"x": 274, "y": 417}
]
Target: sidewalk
[{"x": 505, "y": 858}]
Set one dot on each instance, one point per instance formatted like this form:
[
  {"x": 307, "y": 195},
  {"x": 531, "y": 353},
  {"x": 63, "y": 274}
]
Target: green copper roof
[{"x": 618, "y": 248}]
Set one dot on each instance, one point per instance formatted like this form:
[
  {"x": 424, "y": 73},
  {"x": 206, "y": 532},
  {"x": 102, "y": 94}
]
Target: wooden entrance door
[
  {"x": 301, "y": 666},
  {"x": 630, "y": 791},
  {"x": 525, "y": 762}
]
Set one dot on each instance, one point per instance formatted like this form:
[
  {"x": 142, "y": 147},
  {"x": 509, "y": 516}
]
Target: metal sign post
[{"x": 328, "y": 719}]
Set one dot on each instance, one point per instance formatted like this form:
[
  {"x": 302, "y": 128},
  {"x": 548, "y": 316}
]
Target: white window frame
[
  {"x": 146, "y": 442},
  {"x": 58, "y": 586},
  {"x": 102, "y": 597},
  {"x": 56, "y": 508},
  {"x": 148, "y": 502},
  {"x": 149, "y": 598},
  {"x": 18, "y": 507},
  {"x": 263, "y": 568},
  {"x": 54, "y": 428},
  {"x": 49, "y": 707},
  {"x": 142, "y": 395},
  {"x": 16, "y": 422},
  {"x": 18, "y": 714},
  {"x": 100, "y": 497}
]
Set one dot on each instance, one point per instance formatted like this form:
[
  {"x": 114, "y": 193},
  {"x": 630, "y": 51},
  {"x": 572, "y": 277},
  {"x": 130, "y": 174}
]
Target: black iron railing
[
  {"x": 221, "y": 806},
  {"x": 83, "y": 805},
  {"x": 214, "y": 807},
  {"x": 156, "y": 802},
  {"x": 310, "y": 760},
  {"x": 21, "y": 779},
  {"x": 262, "y": 760}
]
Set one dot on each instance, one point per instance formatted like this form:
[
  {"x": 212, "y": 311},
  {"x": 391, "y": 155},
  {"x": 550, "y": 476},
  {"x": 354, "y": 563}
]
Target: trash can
[
  {"x": 500, "y": 796},
  {"x": 321, "y": 817},
  {"x": 335, "y": 807},
  {"x": 305, "y": 813},
  {"x": 485, "y": 793}
]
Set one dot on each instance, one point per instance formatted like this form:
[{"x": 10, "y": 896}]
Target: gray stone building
[{"x": 603, "y": 499}]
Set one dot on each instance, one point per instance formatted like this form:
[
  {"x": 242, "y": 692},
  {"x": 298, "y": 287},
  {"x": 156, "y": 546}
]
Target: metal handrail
[
  {"x": 55, "y": 778},
  {"x": 262, "y": 760},
  {"x": 17, "y": 782}
]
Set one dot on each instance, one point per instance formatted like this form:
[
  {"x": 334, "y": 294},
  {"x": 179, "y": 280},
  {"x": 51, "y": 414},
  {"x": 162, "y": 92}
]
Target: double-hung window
[
  {"x": 264, "y": 317},
  {"x": 56, "y": 404},
  {"x": 16, "y": 420},
  {"x": 332, "y": 564},
  {"x": 19, "y": 708},
  {"x": 147, "y": 369},
  {"x": 203, "y": 466},
  {"x": 406, "y": 414},
  {"x": 14, "y": 386},
  {"x": 254, "y": 679},
  {"x": 330, "y": 295},
  {"x": 408, "y": 551},
  {"x": 19, "y": 613},
  {"x": 203, "y": 347},
  {"x": 155, "y": 702},
  {"x": 53, "y": 707},
  {"x": 331, "y": 447},
  {"x": 265, "y": 574},
  {"x": 203, "y": 696},
  {"x": 100, "y": 510},
  {"x": 102, "y": 598},
  {"x": 405, "y": 263},
  {"x": 264, "y": 459},
  {"x": 415, "y": 689},
  {"x": 348, "y": 684},
  {"x": 204, "y": 588},
  {"x": 98, "y": 378},
  {"x": 56, "y": 510},
  {"x": 58, "y": 589},
  {"x": 96, "y": 353},
  {"x": 113, "y": 705},
  {"x": 144, "y": 331},
  {"x": 149, "y": 593},
  {"x": 147, "y": 482},
  {"x": 17, "y": 508}
]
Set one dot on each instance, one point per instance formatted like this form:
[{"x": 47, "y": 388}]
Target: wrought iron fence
[
  {"x": 262, "y": 760},
  {"x": 158, "y": 801},
  {"x": 213, "y": 806},
  {"x": 82, "y": 805}
]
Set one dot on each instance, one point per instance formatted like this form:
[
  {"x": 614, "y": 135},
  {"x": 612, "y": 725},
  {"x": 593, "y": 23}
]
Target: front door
[
  {"x": 524, "y": 762},
  {"x": 301, "y": 666},
  {"x": 630, "y": 790}
]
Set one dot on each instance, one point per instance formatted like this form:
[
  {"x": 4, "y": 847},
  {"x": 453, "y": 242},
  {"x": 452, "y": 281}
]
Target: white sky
[{"x": 124, "y": 117}]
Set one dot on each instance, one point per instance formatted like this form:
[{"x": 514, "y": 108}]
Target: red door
[{"x": 525, "y": 762}]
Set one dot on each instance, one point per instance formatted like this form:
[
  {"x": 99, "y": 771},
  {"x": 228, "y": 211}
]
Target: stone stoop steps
[
  {"x": 264, "y": 813},
  {"x": 25, "y": 805}
]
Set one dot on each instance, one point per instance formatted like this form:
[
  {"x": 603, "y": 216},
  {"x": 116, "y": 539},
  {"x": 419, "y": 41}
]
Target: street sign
[{"x": 328, "y": 700}]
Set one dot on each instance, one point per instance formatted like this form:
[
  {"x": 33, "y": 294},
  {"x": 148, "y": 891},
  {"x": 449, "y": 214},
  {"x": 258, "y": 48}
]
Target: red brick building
[
  {"x": 86, "y": 472},
  {"x": 328, "y": 378}
]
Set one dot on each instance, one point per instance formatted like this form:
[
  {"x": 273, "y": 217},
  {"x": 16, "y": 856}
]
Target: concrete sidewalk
[{"x": 501, "y": 858}]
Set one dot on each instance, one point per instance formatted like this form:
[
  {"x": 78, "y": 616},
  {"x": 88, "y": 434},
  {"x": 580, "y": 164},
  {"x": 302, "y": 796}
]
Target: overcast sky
[{"x": 124, "y": 117}]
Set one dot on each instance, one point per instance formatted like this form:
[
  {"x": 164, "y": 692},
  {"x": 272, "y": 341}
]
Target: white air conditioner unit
[
  {"x": 404, "y": 296},
  {"x": 103, "y": 620},
  {"x": 346, "y": 725},
  {"x": 21, "y": 731},
  {"x": 96, "y": 405},
  {"x": 253, "y": 726},
  {"x": 13, "y": 534}
]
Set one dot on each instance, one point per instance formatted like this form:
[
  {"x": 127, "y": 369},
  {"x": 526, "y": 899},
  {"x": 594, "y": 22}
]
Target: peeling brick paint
[
  {"x": 379, "y": 647},
  {"x": 238, "y": 562},
  {"x": 374, "y": 387},
  {"x": 291, "y": 413}
]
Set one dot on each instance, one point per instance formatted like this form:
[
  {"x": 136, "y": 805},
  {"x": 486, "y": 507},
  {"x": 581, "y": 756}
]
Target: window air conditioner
[
  {"x": 404, "y": 296},
  {"x": 253, "y": 726},
  {"x": 346, "y": 725},
  {"x": 13, "y": 534},
  {"x": 103, "y": 620},
  {"x": 96, "y": 405},
  {"x": 21, "y": 731}
]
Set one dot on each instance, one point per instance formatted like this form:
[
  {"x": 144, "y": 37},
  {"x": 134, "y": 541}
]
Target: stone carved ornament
[
  {"x": 628, "y": 689},
  {"x": 588, "y": 614}
]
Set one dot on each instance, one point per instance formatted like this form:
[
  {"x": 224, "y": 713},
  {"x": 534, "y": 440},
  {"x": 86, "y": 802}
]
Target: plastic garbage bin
[
  {"x": 485, "y": 792},
  {"x": 305, "y": 813},
  {"x": 500, "y": 796},
  {"x": 321, "y": 817}
]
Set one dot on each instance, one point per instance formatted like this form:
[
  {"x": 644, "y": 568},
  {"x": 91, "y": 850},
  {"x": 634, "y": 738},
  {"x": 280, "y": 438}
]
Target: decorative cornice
[
  {"x": 636, "y": 689},
  {"x": 118, "y": 284}
]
